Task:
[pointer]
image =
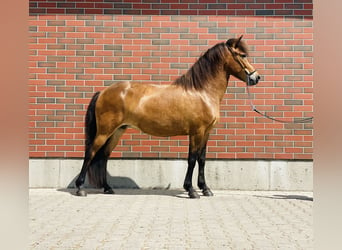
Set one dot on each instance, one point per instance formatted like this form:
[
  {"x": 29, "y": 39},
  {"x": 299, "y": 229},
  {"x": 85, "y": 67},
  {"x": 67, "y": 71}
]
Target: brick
[
  {"x": 85, "y": 41},
  {"x": 264, "y": 12},
  {"x": 293, "y": 102}
]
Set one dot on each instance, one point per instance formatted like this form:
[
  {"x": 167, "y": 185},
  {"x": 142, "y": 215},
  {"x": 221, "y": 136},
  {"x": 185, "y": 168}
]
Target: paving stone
[{"x": 155, "y": 219}]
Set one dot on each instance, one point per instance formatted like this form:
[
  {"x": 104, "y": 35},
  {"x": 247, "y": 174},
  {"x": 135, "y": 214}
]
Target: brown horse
[{"x": 188, "y": 106}]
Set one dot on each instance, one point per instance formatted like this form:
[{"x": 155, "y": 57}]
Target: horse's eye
[{"x": 243, "y": 55}]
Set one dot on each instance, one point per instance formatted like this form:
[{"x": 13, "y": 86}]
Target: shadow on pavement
[
  {"x": 288, "y": 197},
  {"x": 124, "y": 186},
  {"x": 113, "y": 181},
  {"x": 132, "y": 191}
]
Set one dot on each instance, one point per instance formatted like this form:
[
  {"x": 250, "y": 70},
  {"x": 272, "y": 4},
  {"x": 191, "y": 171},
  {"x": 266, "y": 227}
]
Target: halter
[
  {"x": 239, "y": 62},
  {"x": 302, "y": 120}
]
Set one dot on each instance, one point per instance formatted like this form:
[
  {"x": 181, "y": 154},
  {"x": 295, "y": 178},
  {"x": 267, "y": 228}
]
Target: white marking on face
[{"x": 254, "y": 76}]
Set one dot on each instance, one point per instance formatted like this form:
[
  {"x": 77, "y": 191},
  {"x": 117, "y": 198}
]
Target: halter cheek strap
[{"x": 239, "y": 62}]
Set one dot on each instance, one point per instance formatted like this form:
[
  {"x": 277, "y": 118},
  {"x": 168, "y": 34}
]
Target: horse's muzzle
[{"x": 253, "y": 79}]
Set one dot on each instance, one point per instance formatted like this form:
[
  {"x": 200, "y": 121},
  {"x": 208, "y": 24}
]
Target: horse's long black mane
[{"x": 207, "y": 66}]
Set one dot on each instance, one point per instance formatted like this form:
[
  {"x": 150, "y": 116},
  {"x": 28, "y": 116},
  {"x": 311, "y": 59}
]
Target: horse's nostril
[{"x": 258, "y": 77}]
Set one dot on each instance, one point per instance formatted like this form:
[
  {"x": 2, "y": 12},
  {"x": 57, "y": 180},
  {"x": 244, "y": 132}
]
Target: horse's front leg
[
  {"x": 201, "y": 177},
  {"x": 188, "y": 178}
]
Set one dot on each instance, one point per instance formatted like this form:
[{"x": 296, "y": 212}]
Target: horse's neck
[{"x": 217, "y": 86}]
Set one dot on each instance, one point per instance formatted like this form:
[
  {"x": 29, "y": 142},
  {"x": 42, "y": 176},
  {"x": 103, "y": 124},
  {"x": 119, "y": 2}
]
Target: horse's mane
[{"x": 206, "y": 67}]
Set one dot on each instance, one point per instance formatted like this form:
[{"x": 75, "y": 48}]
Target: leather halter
[{"x": 239, "y": 62}]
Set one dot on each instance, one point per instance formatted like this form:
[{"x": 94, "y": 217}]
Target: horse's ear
[{"x": 238, "y": 41}]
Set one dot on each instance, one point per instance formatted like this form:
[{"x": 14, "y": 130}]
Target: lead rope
[{"x": 302, "y": 120}]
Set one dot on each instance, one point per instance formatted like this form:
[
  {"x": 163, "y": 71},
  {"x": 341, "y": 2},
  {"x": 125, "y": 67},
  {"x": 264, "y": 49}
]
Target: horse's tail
[{"x": 97, "y": 168}]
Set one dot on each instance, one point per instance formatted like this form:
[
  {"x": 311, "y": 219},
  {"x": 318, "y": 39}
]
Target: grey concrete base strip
[{"x": 169, "y": 174}]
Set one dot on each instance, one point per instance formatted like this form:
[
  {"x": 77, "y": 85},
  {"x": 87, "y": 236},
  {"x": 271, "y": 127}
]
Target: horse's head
[{"x": 238, "y": 64}]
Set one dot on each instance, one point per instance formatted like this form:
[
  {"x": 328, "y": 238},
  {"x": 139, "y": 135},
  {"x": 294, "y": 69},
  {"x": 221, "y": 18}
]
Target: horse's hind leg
[
  {"x": 90, "y": 153},
  {"x": 98, "y": 169},
  {"x": 81, "y": 177},
  {"x": 108, "y": 148},
  {"x": 95, "y": 162}
]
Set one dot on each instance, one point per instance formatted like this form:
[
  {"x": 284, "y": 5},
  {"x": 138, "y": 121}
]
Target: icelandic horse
[{"x": 188, "y": 106}]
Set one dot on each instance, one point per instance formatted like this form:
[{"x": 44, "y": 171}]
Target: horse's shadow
[{"x": 124, "y": 186}]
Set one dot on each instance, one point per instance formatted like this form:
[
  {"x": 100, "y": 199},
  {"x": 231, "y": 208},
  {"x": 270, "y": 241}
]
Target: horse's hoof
[
  {"x": 108, "y": 191},
  {"x": 81, "y": 192},
  {"x": 193, "y": 195},
  {"x": 207, "y": 192}
]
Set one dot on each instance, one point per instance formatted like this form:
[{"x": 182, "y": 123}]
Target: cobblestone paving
[{"x": 167, "y": 219}]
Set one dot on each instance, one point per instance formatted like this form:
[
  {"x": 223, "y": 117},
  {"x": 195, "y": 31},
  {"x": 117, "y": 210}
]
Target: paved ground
[{"x": 167, "y": 219}]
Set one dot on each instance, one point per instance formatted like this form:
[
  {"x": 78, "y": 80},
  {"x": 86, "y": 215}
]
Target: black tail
[{"x": 97, "y": 168}]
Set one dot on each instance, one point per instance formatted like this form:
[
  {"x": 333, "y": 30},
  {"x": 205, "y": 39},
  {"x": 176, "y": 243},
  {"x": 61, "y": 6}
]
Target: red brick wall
[{"x": 79, "y": 47}]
